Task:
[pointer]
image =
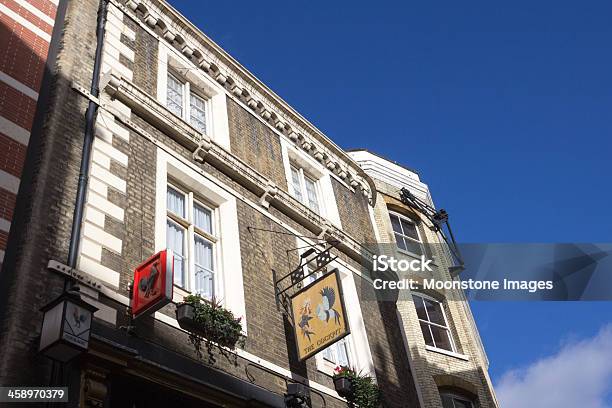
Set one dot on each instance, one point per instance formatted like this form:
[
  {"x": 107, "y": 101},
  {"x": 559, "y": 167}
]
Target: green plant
[
  {"x": 365, "y": 392},
  {"x": 217, "y": 328}
]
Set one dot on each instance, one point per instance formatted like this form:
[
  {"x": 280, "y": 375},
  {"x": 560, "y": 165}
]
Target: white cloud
[{"x": 578, "y": 376}]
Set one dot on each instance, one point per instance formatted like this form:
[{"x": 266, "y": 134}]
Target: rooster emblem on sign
[
  {"x": 325, "y": 309},
  {"x": 305, "y": 317},
  {"x": 147, "y": 284}
]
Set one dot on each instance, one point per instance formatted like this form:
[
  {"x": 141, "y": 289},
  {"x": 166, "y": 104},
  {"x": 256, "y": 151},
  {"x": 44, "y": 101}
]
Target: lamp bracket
[{"x": 439, "y": 221}]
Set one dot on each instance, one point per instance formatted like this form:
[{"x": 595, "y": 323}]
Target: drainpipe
[{"x": 90, "y": 120}]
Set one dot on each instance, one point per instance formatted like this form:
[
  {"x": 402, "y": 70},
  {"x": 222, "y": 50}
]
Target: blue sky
[{"x": 504, "y": 109}]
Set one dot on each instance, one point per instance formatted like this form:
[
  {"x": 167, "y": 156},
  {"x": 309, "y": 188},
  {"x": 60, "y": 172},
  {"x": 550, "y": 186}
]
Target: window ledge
[{"x": 447, "y": 353}]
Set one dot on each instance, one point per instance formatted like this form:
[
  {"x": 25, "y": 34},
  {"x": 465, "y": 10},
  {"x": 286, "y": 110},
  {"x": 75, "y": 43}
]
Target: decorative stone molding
[
  {"x": 294, "y": 136},
  {"x": 187, "y": 51},
  {"x": 265, "y": 114},
  {"x": 222, "y": 79},
  {"x": 252, "y": 103},
  {"x": 255, "y": 94},
  {"x": 268, "y": 195},
  {"x": 236, "y": 90},
  {"x": 168, "y": 36}
]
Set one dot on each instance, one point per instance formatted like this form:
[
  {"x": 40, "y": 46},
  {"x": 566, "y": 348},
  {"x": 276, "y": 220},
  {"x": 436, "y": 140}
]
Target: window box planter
[
  {"x": 359, "y": 390},
  {"x": 343, "y": 386},
  {"x": 185, "y": 315},
  {"x": 210, "y": 324}
]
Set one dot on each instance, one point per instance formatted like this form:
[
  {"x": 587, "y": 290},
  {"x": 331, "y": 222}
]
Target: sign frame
[
  {"x": 335, "y": 271},
  {"x": 166, "y": 260}
]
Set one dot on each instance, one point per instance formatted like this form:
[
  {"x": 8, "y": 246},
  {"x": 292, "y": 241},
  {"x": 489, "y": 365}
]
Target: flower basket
[
  {"x": 185, "y": 314},
  {"x": 343, "y": 386},
  {"x": 358, "y": 389},
  {"x": 210, "y": 323}
]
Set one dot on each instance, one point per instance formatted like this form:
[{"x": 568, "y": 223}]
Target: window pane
[
  {"x": 202, "y": 218},
  {"x": 297, "y": 186},
  {"x": 204, "y": 276},
  {"x": 328, "y": 354},
  {"x": 461, "y": 403},
  {"x": 447, "y": 401},
  {"x": 175, "y": 240},
  {"x": 311, "y": 191},
  {"x": 203, "y": 253},
  {"x": 413, "y": 247},
  {"x": 410, "y": 229},
  {"x": 174, "y": 96},
  {"x": 418, "y": 304},
  {"x": 176, "y": 202},
  {"x": 434, "y": 310},
  {"x": 197, "y": 113},
  {"x": 427, "y": 334},
  {"x": 441, "y": 338},
  {"x": 342, "y": 352},
  {"x": 395, "y": 222},
  {"x": 400, "y": 241}
]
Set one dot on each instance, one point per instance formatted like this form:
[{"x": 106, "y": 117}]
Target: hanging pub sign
[
  {"x": 153, "y": 280},
  {"x": 319, "y": 316}
]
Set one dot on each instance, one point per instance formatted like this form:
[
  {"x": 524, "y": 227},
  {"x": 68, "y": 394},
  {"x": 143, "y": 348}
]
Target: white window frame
[
  {"x": 428, "y": 322},
  {"x": 405, "y": 237},
  {"x": 328, "y": 208},
  {"x": 173, "y": 62},
  {"x": 191, "y": 232},
  {"x": 228, "y": 283},
  {"x": 189, "y": 90},
  {"x": 302, "y": 177},
  {"x": 358, "y": 347}
]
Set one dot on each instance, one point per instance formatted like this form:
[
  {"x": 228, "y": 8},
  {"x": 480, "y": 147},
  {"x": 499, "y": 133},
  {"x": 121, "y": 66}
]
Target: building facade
[
  {"x": 448, "y": 361},
  {"x": 190, "y": 152},
  {"x": 26, "y": 27}
]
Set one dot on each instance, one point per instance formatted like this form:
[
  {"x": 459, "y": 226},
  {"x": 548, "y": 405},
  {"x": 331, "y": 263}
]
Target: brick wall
[
  {"x": 43, "y": 210},
  {"x": 255, "y": 143},
  {"x": 25, "y": 33},
  {"x": 354, "y": 213}
]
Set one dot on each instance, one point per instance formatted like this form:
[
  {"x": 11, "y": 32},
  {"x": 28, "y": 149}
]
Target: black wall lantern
[{"x": 66, "y": 327}]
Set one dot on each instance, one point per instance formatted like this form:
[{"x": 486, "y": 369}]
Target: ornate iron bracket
[{"x": 292, "y": 281}]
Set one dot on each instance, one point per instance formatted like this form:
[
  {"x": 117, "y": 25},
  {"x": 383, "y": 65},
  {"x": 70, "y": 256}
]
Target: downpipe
[
  {"x": 90, "y": 120},
  {"x": 71, "y": 371}
]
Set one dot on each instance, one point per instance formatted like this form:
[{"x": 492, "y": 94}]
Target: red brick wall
[{"x": 24, "y": 45}]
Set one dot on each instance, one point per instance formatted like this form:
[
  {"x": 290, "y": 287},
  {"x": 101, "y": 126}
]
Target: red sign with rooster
[{"x": 153, "y": 281}]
